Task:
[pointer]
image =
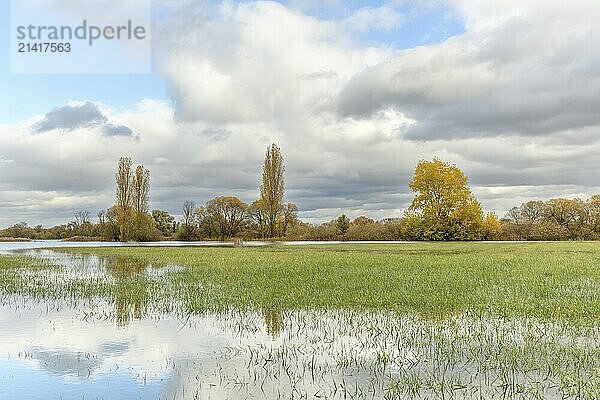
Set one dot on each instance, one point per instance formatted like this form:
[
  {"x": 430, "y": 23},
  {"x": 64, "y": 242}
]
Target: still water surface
[
  {"x": 6, "y": 247},
  {"x": 118, "y": 348}
]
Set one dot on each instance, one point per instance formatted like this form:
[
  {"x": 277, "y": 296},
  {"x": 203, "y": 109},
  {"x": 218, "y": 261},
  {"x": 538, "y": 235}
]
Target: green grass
[
  {"x": 428, "y": 320},
  {"x": 542, "y": 280}
]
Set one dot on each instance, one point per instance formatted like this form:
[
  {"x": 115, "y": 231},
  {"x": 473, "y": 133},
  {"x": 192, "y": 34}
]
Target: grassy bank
[{"x": 545, "y": 280}]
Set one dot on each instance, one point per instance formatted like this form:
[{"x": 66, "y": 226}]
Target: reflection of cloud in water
[
  {"x": 114, "y": 348},
  {"x": 268, "y": 353},
  {"x": 67, "y": 363}
]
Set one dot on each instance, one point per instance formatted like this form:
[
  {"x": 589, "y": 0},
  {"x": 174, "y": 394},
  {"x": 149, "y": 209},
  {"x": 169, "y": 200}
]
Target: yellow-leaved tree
[
  {"x": 492, "y": 228},
  {"x": 271, "y": 190},
  {"x": 444, "y": 207}
]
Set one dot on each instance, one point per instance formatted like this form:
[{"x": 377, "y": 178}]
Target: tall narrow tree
[
  {"x": 271, "y": 191},
  {"x": 124, "y": 178},
  {"x": 142, "y": 223},
  {"x": 141, "y": 189}
]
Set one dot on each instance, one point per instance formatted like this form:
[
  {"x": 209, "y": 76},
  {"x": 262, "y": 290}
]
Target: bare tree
[
  {"x": 257, "y": 214},
  {"x": 515, "y": 215},
  {"x": 187, "y": 229},
  {"x": 229, "y": 214},
  {"x": 188, "y": 212},
  {"x": 82, "y": 217},
  {"x": 290, "y": 217},
  {"x": 102, "y": 217},
  {"x": 271, "y": 191},
  {"x": 532, "y": 211}
]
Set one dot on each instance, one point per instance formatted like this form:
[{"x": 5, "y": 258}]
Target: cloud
[
  {"x": 365, "y": 19},
  {"x": 521, "y": 68},
  {"x": 257, "y": 61},
  {"x": 116, "y": 130},
  {"x": 73, "y": 117}
]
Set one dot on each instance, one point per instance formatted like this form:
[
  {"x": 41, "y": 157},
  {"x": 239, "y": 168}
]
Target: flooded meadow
[{"x": 143, "y": 341}]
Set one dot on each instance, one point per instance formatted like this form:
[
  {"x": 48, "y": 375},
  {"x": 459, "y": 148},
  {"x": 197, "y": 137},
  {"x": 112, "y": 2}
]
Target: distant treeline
[
  {"x": 443, "y": 208},
  {"x": 555, "y": 219}
]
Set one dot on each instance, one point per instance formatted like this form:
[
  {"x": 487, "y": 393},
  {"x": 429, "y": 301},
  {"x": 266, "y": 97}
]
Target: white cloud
[
  {"x": 365, "y": 19},
  {"x": 257, "y": 61}
]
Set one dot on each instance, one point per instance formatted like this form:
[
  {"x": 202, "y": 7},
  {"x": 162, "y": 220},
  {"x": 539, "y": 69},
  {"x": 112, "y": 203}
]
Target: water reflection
[
  {"x": 131, "y": 277},
  {"x": 128, "y": 303},
  {"x": 48, "y": 350},
  {"x": 273, "y": 322},
  {"x": 119, "y": 347},
  {"x": 123, "y": 268},
  {"x": 66, "y": 363},
  {"x": 7, "y": 247}
]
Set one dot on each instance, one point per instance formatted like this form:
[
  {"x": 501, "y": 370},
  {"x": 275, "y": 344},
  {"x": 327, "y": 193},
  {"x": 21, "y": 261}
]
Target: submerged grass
[
  {"x": 382, "y": 355},
  {"x": 541, "y": 280},
  {"x": 425, "y": 320}
]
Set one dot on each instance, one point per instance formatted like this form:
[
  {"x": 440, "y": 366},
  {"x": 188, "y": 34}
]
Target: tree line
[
  {"x": 226, "y": 217},
  {"x": 443, "y": 209},
  {"x": 554, "y": 219}
]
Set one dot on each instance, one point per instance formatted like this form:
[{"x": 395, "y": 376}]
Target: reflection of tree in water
[
  {"x": 273, "y": 322},
  {"x": 131, "y": 277}
]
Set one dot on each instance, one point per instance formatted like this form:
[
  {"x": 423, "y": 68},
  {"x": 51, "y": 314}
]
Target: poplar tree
[
  {"x": 141, "y": 189},
  {"x": 271, "y": 191},
  {"x": 140, "y": 200},
  {"x": 124, "y": 178}
]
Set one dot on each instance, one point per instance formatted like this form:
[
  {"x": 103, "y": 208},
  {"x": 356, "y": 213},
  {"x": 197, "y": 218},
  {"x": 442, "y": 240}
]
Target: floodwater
[
  {"x": 6, "y": 247},
  {"x": 119, "y": 348}
]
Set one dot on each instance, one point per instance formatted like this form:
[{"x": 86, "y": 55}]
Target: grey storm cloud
[
  {"x": 72, "y": 117},
  {"x": 531, "y": 74}
]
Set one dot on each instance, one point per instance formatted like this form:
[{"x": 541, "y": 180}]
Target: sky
[{"x": 354, "y": 92}]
